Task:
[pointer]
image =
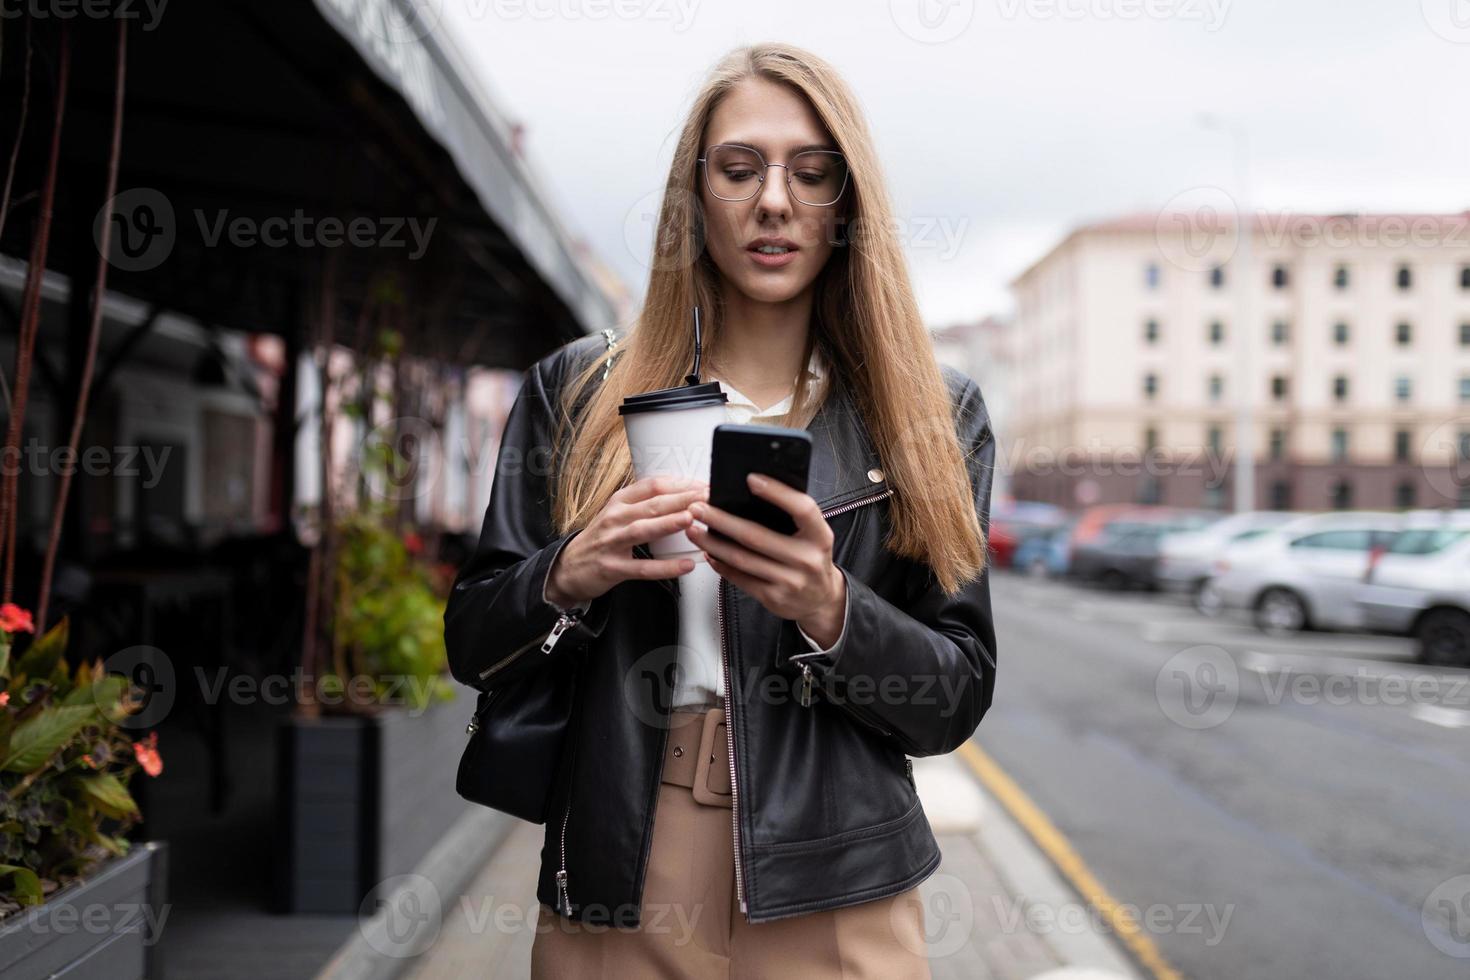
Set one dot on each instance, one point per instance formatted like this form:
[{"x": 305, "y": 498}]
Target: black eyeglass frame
[{"x": 766, "y": 169}]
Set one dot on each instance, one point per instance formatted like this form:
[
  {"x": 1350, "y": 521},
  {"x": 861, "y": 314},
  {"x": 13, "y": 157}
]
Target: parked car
[
  {"x": 1304, "y": 574},
  {"x": 1187, "y": 558},
  {"x": 1014, "y": 521},
  {"x": 1420, "y": 586},
  {"x": 1044, "y": 554},
  {"x": 1124, "y": 553}
]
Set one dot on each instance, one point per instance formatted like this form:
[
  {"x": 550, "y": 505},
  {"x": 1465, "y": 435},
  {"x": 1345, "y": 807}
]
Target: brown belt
[{"x": 697, "y": 755}]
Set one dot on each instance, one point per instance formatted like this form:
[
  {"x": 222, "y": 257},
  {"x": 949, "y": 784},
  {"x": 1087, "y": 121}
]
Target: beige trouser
[{"x": 691, "y": 924}]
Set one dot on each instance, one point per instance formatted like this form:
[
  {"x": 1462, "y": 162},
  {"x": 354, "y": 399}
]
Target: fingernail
[
  {"x": 697, "y": 509},
  {"x": 756, "y": 480}
]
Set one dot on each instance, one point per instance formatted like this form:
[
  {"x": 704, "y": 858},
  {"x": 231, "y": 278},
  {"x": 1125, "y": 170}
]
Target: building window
[
  {"x": 1277, "y": 443},
  {"x": 1151, "y": 275},
  {"x": 1465, "y": 446},
  {"x": 1339, "y": 445},
  {"x": 1150, "y": 385},
  {"x": 1401, "y": 445},
  {"x": 1404, "y": 278},
  {"x": 1150, "y": 489},
  {"x": 1340, "y": 388},
  {"x": 1342, "y": 495},
  {"x": 1214, "y": 438},
  {"x": 1281, "y": 495},
  {"x": 1278, "y": 277},
  {"x": 1278, "y": 332},
  {"x": 1465, "y": 389},
  {"x": 1340, "y": 277},
  {"x": 1403, "y": 334},
  {"x": 1217, "y": 277},
  {"x": 1465, "y": 277},
  {"x": 1402, "y": 388},
  {"x": 1150, "y": 439},
  {"x": 1151, "y": 331},
  {"x": 1340, "y": 333},
  {"x": 1278, "y": 387},
  {"x": 1465, "y": 495},
  {"x": 1465, "y": 334},
  {"x": 1217, "y": 332},
  {"x": 1404, "y": 494},
  {"x": 1217, "y": 387}
]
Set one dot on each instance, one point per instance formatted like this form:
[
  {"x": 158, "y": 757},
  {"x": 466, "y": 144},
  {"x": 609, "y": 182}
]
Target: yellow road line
[{"x": 1061, "y": 852}]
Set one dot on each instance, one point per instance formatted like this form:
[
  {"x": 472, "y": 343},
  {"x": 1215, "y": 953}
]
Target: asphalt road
[{"x": 1273, "y": 808}]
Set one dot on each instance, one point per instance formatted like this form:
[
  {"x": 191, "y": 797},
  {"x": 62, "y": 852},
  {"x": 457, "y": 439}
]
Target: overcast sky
[{"x": 1001, "y": 124}]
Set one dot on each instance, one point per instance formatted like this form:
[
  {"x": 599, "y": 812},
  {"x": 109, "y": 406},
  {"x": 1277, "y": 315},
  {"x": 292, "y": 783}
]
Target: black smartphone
[{"x": 738, "y": 450}]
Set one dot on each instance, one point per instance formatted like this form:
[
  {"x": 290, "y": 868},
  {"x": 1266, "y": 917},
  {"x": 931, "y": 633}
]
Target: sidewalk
[{"x": 996, "y": 907}]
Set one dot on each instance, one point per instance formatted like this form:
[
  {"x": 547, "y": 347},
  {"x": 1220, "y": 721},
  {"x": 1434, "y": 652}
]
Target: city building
[{"x": 1128, "y": 368}]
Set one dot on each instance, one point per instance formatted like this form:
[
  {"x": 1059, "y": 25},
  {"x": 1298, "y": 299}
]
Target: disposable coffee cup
[{"x": 671, "y": 433}]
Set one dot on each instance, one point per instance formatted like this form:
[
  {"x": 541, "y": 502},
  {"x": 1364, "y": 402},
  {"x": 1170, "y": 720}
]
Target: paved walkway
[{"x": 995, "y": 908}]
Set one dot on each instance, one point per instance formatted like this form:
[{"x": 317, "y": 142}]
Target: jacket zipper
[
  {"x": 730, "y": 742},
  {"x": 730, "y": 717},
  {"x": 805, "y": 696},
  {"x": 563, "y": 622}
]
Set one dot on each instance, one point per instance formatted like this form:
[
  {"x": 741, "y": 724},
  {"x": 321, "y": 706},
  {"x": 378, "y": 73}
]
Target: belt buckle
[{"x": 712, "y": 772}]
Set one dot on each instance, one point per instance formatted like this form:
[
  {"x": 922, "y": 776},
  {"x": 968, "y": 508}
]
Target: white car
[
  {"x": 1304, "y": 574},
  {"x": 1186, "y": 559},
  {"x": 1420, "y": 586}
]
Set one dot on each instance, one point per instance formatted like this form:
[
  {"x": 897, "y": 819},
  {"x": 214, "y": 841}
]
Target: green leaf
[
  {"x": 107, "y": 793},
  {"x": 37, "y": 738},
  {"x": 44, "y": 654},
  {"x": 104, "y": 693},
  {"x": 25, "y": 885}
]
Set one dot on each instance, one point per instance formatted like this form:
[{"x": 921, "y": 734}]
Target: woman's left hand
[{"x": 792, "y": 575}]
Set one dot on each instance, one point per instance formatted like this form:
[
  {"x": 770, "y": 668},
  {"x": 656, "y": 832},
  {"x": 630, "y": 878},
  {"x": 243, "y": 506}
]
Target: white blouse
[{"x": 699, "y": 679}]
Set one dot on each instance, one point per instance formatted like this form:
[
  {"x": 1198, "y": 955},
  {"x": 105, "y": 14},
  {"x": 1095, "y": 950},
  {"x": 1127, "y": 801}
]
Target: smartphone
[{"x": 738, "y": 450}]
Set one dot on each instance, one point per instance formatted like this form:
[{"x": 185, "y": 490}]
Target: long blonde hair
[{"x": 865, "y": 319}]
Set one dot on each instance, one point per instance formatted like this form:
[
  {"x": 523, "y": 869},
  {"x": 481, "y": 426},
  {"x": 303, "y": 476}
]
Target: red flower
[
  {"x": 413, "y": 543},
  {"x": 147, "y": 753},
  {"x": 4, "y": 698},
  {"x": 14, "y": 619}
]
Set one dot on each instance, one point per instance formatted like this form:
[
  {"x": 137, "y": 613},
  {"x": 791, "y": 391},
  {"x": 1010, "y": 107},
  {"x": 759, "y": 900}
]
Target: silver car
[
  {"x": 1420, "y": 586},
  {"x": 1186, "y": 559},
  {"x": 1304, "y": 574}
]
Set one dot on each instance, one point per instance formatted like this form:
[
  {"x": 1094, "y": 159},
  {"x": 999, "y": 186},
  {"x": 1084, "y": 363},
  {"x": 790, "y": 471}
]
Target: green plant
[
  {"x": 389, "y": 617},
  {"x": 65, "y": 762}
]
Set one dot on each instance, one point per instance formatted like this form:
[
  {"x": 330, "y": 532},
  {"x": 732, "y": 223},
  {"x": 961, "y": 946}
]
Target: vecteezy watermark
[
  {"x": 150, "y": 672},
  {"x": 946, "y": 913},
  {"x": 35, "y": 459},
  {"x": 147, "y": 12},
  {"x": 1198, "y": 228},
  {"x": 1448, "y": 445},
  {"x": 99, "y": 919},
  {"x": 678, "y": 920},
  {"x": 1450, "y": 19},
  {"x": 1446, "y": 917},
  {"x": 401, "y": 916},
  {"x": 678, "y": 13},
  {"x": 1198, "y": 687},
  {"x": 412, "y": 691},
  {"x": 144, "y": 230},
  {"x": 932, "y": 21},
  {"x": 1076, "y": 918},
  {"x": 1211, "y": 13}
]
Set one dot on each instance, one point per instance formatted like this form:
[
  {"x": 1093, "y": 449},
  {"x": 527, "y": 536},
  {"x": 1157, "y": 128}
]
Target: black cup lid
[{"x": 667, "y": 399}]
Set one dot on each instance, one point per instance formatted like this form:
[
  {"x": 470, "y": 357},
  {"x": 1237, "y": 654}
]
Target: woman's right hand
[{"x": 601, "y": 556}]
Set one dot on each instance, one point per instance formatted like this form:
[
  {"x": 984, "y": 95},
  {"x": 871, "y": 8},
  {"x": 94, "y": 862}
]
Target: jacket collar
[{"x": 844, "y": 465}]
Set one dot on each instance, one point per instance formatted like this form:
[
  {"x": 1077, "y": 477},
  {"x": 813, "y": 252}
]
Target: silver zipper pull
[
  {"x": 561, "y": 887},
  {"x": 563, "y": 622},
  {"x": 473, "y": 726},
  {"x": 806, "y": 685}
]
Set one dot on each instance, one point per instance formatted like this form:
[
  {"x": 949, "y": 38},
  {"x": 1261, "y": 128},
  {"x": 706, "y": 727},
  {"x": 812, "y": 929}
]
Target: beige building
[{"x": 1128, "y": 372}]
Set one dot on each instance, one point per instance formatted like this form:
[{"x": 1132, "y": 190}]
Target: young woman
[{"x": 735, "y": 794}]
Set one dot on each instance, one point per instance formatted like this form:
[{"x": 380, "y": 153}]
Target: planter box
[
  {"x": 363, "y": 799},
  {"x": 104, "y": 926}
]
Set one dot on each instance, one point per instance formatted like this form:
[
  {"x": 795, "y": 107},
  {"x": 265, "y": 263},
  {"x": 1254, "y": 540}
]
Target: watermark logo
[
  {"x": 932, "y": 21},
  {"x": 1198, "y": 229},
  {"x": 402, "y": 458},
  {"x": 151, "y": 674},
  {"x": 1198, "y": 687},
  {"x": 401, "y": 917},
  {"x": 1450, "y": 19},
  {"x": 946, "y": 912},
  {"x": 143, "y": 229},
  {"x": 1446, "y": 917}
]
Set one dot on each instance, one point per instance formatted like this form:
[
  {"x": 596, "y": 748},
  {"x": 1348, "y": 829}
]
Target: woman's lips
[{"x": 770, "y": 261}]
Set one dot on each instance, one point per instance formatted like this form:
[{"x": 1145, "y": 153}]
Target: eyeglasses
[{"x": 737, "y": 173}]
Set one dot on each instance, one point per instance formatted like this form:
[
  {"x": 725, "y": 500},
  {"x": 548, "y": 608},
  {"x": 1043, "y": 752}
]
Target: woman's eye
[{"x": 739, "y": 174}]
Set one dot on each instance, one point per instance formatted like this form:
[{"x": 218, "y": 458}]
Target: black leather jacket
[{"x": 825, "y": 810}]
